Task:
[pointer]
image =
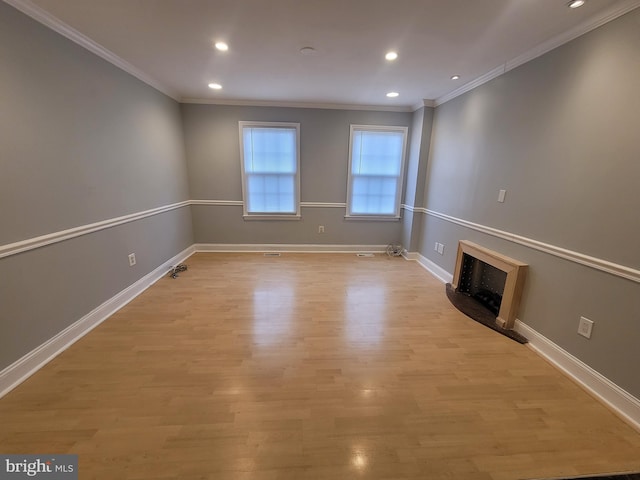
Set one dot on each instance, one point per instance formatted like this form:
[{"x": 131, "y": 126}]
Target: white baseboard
[
  {"x": 620, "y": 401},
  {"x": 20, "y": 370},
  {"x": 625, "y": 405},
  {"x": 410, "y": 255},
  {"x": 431, "y": 267},
  {"x": 299, "y": 248}
]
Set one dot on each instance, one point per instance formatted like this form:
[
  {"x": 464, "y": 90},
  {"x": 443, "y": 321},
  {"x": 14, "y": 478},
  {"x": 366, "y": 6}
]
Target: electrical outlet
[
  {"x": 320, "y": 228},
  {"x": 441, "y": 249},
  {"x": 132, "y": 259},
  {"x": 585, "y": 327},
  {"x": 435, "y": 247}
]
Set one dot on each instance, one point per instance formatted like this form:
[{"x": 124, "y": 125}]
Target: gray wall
[
  {"x": 421, "y": 129},
  {"x": 213, "y": 156},
  {"x": 560, "y": 134},
  {"x": 81, "y": 141}
]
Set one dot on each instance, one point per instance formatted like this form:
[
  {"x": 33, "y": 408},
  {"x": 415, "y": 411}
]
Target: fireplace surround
[{"x": 472, "y": 255}]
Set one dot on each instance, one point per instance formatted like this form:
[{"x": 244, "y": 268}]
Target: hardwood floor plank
[{"x": 308, "y": 367}]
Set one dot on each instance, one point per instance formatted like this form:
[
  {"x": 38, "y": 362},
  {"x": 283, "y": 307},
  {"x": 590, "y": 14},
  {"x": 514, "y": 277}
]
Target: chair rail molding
[
  {"x": 612, "y": 268},
  {"x": 62, "y": 235}
]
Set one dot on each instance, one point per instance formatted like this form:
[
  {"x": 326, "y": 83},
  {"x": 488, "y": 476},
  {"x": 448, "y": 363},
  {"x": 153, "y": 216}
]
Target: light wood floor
[{"x": 308, "y": 367}]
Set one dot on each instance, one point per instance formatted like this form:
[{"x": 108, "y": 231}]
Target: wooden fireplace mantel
[{"x": 515, "y": 270}]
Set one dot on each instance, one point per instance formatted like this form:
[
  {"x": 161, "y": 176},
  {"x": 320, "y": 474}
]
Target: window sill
[
  {"x": 373, "y": 218},
  {"x": 271, "y": 217}
]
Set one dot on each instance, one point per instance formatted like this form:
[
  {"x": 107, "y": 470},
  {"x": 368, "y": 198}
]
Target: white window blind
[
  {"x": 375, "y": 170},
  {"x": 270, "y": 168}
]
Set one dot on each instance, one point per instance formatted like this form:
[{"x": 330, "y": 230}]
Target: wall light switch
[{"x": 501, "y": 195}]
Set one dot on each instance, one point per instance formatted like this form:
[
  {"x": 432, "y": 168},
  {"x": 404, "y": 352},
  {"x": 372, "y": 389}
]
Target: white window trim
[
  {"x": 396, "y": 215},
  {"x": 270, "y": 216},
  {"x": 376, "y": 217}
]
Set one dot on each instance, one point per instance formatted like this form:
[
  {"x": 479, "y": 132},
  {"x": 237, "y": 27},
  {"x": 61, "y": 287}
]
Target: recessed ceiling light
[
  {"x": 392, "y": 94},
  {"x": 215, "y": 86},
  {"x": 308, "y": 51},
  {"x": 391, "y": 56},
  {"x": 223, "y": 47},
  {"x": 455, "y": 77},
  {"x": 576, "y": 3}
]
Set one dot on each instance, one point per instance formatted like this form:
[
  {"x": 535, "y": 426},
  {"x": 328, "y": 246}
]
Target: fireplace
[
  {"x": 484, "y": 282},
  {"x": 494, "y": 280}
]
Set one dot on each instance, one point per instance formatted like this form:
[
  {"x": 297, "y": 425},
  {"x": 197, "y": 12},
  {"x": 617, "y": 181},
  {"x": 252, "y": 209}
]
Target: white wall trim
[
  {"x": 431, "y": 267},
  {"x": 426, "y": 102},
  {"x": 240, "y": 203},
  {"x": 55, "y": 237},
  {"x": 60, "y": 236},
  {"x": 411, "y": 256},
  {"x": 298, "y": 248},
  {"x": 600, "y": 19},
  {"x": 372, "y": 218},
  {"x": 482, "y": 79},
  {"x": 620, "y": 401},
  {"x": 606, "y": 16},
  {"x": 411, "y": 208},
  {"x": 612, "y": 268},
  {"x": 235, "y": 203},
  {"x": 52, "y": 22},
  {"x": 57, "y": 25},
  {"x": 20, "y": 370},
  {"x": 597, "y": 263},
  {"x": 407, "y": 207},
  {"x": 285, "y": 104}
]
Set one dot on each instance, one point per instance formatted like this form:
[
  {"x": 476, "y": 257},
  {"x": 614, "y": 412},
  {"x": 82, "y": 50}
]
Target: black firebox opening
[{"x": 483, "y": 282}]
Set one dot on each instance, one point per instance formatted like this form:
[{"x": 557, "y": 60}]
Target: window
[
  {"x": 270, "y": 157},
  {"x": 376, "y": 166}
]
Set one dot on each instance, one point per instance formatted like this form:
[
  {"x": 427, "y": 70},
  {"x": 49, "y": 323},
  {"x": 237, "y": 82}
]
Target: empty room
[{"x": 319, "y": 239}]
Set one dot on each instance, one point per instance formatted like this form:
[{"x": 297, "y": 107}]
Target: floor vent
[
  {"x": 272, "y": 254},
  {"x": 364, "y": 254}
]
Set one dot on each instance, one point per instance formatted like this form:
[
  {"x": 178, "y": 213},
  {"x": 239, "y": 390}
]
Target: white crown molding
[
  {"x": 616, "y": 398},
  {"x": 288, "y": 248},
  {"x": 617, "y": 10},
  {"x": 597, "y": 263},
  {"x": 286, "y": 104},
  {"x": 20, "y": 370},
  {"x": 490, "y": 75},
  {"x": 40, "y": 15},
  {"x": 424, "y": 103},
  {"x": 607, "y": 15},
  {"x": 52, "y": 22},
  {"x": 55, "y": 237}
]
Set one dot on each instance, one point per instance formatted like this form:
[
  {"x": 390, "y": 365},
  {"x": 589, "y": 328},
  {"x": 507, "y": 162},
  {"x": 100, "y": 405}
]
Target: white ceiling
[{"x": 168, "y": 43}]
